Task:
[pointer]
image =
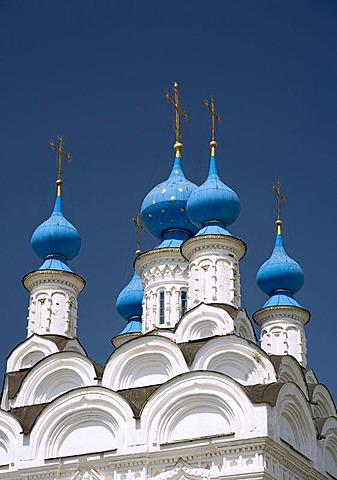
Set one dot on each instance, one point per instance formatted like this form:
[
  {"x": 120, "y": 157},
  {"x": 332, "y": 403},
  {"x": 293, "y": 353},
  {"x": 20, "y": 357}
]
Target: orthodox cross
[
  {"x": 280, "y": 197},
  {"x": 178, "y": 110},
  {"x": 215, "y": 116},
  {"x": 62, "y": 154},
  {"x": 140, "y": 228}
]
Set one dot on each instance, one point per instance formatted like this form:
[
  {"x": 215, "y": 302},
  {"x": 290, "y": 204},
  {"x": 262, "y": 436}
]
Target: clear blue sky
[{"x": 96, "y": 71}]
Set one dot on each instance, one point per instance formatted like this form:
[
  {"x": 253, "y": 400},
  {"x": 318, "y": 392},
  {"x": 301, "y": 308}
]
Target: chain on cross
[
  {"x": 178, "y": 111},
  {"x": 61, "y": 154},
  {"x": 280, "y": 197}
]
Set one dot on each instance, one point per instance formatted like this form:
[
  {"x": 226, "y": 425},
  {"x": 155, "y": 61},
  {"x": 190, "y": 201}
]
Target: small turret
[
  {"x": 54, "y": 287},
  {"x": 129, "y": 306},
  {"x": 281, "y": 318},
  {"x": 213, "y": 253}
]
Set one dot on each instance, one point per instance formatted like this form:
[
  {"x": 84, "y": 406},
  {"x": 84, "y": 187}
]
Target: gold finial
[
  {"x": 280, "y": 198},
  {"x": 215, "y": 116},
  {"x": 178, "y": 146},
  {"x": 62, "y": 153},
  {"x": 140, "y": 228}
]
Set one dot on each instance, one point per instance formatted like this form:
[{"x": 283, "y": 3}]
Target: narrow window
[
  {"x": 183, "y": 302},
  {"x": 161, "y": 307}
]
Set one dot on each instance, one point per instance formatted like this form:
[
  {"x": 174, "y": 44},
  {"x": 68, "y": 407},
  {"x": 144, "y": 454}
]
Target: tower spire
[
  {"x": 178, "y": 146},
  {"x": 280, "y": 199},
  {"x": 140, "y": 228},
  {"x": 214, "y": 116},
  {"x": 61, "y": 155}
]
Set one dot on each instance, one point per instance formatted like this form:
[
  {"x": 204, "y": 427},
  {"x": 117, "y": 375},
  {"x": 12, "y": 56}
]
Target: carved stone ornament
[
  {"x": 89, "y": 474},
  {"x": 183, "y": 471}
]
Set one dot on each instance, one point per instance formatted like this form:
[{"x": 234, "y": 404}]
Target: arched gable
[
  {"x": 91, "y": 419},
  {"x": 322, "y": 401},
  {"x": 310, "y": 376},
  {"x": 204, "y": 321},
  {"x": 243, "y": 326},
  {"x": 329, "y": 437},
  {"x": 295, "y": 422},
  {"x": 233, "y": 356},
  {"x": 54, "y": 376},
  {"x": 146, "y": 360},
  {"x": 291, "y": 371},
  {"x": 199, "y": 404},
  {"x": 29, "y": 352},
  {"x": 10, "y": 439}
]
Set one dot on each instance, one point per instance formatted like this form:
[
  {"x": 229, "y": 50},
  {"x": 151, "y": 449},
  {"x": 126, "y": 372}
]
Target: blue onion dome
[
  {"x": 56, "y": 240},
  {"x": 129, "y": 300},
  {"x": 163, "y": 211},
  {"x": 280, "y": 275},
  {"x": 213, "y": 202}
]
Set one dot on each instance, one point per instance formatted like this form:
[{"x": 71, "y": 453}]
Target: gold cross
[
  {"x": 62, "y": 153},
  {"x": 280, "y": 197},
  {"x": 178, "y": 111},
  {"x": 140, "y": 228},
  {"x": 215, "y": 116}
]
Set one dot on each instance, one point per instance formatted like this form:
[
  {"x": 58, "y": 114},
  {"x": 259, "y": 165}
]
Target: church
[{"x": 189, "y": 393}]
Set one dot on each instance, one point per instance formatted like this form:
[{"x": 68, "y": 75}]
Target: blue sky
[{"x": 96, "y": 71}]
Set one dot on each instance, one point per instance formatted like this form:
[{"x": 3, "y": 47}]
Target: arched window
[
  {"x": 183, "y": 302},
  {"x": 161, "y": 307}
]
